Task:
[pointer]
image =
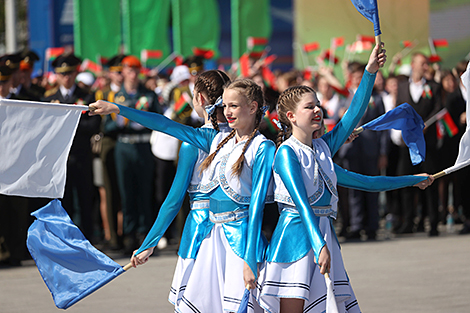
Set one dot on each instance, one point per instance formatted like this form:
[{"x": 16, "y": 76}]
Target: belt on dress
[
  {"x": 225, "y": 217},
  {"x": 200, "y": 204},
  {"x": 134, "y": 138},
  {"x": 324, "y": 210}
]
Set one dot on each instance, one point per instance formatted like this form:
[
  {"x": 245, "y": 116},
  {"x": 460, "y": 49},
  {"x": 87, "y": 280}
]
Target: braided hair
[
  {"x": 288, "y": 101},
  {"x": 212, "y": 83},
  {"x": 252, "y": 92}
]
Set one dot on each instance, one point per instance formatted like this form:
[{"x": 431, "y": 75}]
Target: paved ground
[{"x": 406, "y": 274}]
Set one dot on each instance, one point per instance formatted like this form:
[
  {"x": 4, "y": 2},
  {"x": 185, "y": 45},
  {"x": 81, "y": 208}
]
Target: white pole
[{"x": 10, "y": 26}]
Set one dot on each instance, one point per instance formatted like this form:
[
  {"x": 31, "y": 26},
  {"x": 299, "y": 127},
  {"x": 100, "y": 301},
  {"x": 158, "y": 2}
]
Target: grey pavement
[{"x": 412, "y": 273}]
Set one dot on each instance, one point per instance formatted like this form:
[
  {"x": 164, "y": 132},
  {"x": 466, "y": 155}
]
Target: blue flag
[
  {"x": 70, "y": 266},
  {"x": 243, "y": 308},
  {"x": 369, "y": 9},
  {"x": 404, "y": 118}
]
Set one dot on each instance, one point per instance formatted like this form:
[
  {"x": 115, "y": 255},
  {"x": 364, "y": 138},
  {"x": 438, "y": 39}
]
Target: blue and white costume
[
  {"x": 197, "y": 224},
  {"x": 307, "y": 203},
  {"x": 235, "y": 210}
]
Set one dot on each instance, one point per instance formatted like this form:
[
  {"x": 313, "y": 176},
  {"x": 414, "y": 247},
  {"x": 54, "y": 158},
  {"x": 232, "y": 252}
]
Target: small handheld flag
[
  {"x": 70, "y": 266},
  {"x": 243, "y": 308}
]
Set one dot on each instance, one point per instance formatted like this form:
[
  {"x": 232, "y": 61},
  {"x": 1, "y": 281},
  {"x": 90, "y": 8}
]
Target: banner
[
  {"x": 196, "y": 24},
  {"x": 249, "y": 19},
  {"x": 145, "y": 25},
  {"x": 97, "y": 28},
  {"x": 35, "y": 140}
]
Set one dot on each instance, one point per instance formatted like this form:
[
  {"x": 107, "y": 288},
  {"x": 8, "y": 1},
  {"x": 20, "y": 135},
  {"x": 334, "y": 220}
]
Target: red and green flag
[
  {"x": 53, "y": 53},
  {"x": 406, "y": 44},
  {"x": 181, "y": 103},
  {"x": 448, "y": 125},
  {"x": 146, "y": 54},
  {"x": 256, "y": 43},
  {"x": 329, "y": 123},
  {"x": 205, "y": 53},
  {"x": 440, "y": 44},
  {"x": 89, "y": 65},
  {"x": 365, "y": 38},
  {"x": 337, "y": 42},
  {"x": 434, "y": 58},
  {"x": 268, "y": 77},
  {"x": 271, "y": 119},
  {"x": 244, "y": 65},
  {"x": 311, "y": 47}
]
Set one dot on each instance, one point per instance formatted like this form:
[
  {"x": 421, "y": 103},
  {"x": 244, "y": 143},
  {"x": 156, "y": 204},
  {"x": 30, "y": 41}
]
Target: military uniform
[
  {"x": 79, "y": 187},
  {"x": 108, "y": 143},
  {"x": 134, "y": 161}
]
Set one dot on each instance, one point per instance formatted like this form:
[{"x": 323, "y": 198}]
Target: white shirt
[
  {"x": 67, "y": 92},
  {"x": 416, "y": 89}
]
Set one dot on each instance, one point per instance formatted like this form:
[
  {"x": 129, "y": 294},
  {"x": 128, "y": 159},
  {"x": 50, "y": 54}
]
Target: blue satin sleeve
[
  {"x": 187, "y": 159},
  {"x": 374, "y": 183},
  {"x": 201, "y": 138},
  {"x": 287, "y": 165},
  {"x": 261, "y": 178},
  {"x": 340, "y": 133}
]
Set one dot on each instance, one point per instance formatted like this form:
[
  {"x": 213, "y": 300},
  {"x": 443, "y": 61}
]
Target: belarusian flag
[
  {"x": 150, "y": 54},
  {"x": 268, "y": 77},
  {"x": 449, "y": 125},
  {"x": 244, "y": 65},
  {"x": 182, "y": 103},
  {"x": 271, "y": 119},
  {"x": 311, "y": 47},
  {"x": 441, "y": 44},
  {"x": 365, "y": 38},
  {"x": 205, "y": 53},
  {"x": 256, "y": 43},
  {"x": 406, "y": 44},
  {"x": 52, "y": 53},
  {"x": 337, "y": 42},
  {"x": 327, "y": 56},
  {"x": 360, "y": 46},
  {"x": 434, "y": 58},
  {"x": 330, "y": 123},
  {"x": 89, "y": 65}
]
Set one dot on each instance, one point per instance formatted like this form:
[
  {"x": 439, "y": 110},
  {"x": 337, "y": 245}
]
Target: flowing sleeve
[
  {"x": 201, "y": 138},
  {"x": 287, "y": 165},
  {"x": 261, "y": 179},
  {"x": 172, "y": 204},
  {"x": 374, "y": 183},
  {"x": 340, "y": 133}
]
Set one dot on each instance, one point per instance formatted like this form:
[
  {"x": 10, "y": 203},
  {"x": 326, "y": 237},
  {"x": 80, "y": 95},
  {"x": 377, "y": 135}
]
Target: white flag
[
  {"x": 463, "y": 159},
  {"x": 35, "y": 140}
]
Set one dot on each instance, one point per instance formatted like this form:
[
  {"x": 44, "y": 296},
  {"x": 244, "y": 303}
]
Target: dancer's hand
[
  {"x": 142, "y": 257},
  {"x": 324, "y": 260},
  {"x": 377, "y": 59},
  {"x": 425, "y": 183},
  {"x": 102, "y": 107},
  {"x": 248, "y": 276}
]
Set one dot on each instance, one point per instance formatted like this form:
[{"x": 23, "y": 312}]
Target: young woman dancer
[
  {"x": 236, "y": 177},
  {"x": 207, "y": 103},
  {"x": 303, "y": 245}
]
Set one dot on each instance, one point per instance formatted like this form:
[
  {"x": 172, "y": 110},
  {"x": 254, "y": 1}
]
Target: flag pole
[
  {"x": 439, "y": 175},
  {"x": 378, "y": 42},
  {"x": 358, "y": 130},
  {"x": 127, "y": 266}
]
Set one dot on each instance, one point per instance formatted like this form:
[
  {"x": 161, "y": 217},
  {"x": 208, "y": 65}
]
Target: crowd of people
[{"x": 119, "y": 172}]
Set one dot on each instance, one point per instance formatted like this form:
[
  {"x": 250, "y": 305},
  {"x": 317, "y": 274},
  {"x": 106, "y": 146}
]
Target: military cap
[
  {"x": 115, "y": 63},
  {"x": 28, "y": 58},
  {"x": 66, "y": 62},
  {"x": 195, "y": 64},
  {"x": 11, "y": 60},
  {"x": 5, "y": 72},
  {"x": 131, "y": 61}
]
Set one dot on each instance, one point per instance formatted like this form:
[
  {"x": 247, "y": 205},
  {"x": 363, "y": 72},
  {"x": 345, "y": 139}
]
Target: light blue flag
[
  {"x": 243, "y": 308},
  {"x": 70, "y": 266},
  {"x": 404, "y": 118},
  {"x": 369, "y": 9}
]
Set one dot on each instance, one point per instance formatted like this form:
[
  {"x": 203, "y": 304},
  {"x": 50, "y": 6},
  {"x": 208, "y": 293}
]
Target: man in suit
[
  {"x": 79, "y": 187},
  {"x": 423, "y": 96}
]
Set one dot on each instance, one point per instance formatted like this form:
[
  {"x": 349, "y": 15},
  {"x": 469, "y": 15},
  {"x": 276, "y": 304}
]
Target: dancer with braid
[
  {"x": 207, "y": 102},
  {"x": 303, "y": 245},
  {"x": 236, "y": 177}
]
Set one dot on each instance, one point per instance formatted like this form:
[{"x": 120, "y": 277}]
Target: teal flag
[
  {"x": 97, "y": 28},
  {"x": 249, "y": 19},
  {"x": 145, "y": 26},
  {"x": 196, "y": 24}
]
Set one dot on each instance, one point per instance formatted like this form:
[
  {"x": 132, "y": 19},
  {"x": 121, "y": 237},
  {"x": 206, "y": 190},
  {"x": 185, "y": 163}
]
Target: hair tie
[
  {"x": 278, "y": 124},
  {"x": 264, "y": 108},
  {"x": 210, "y": 109}
]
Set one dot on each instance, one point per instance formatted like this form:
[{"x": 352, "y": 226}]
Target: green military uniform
[{"x": 134, "y": 162}]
